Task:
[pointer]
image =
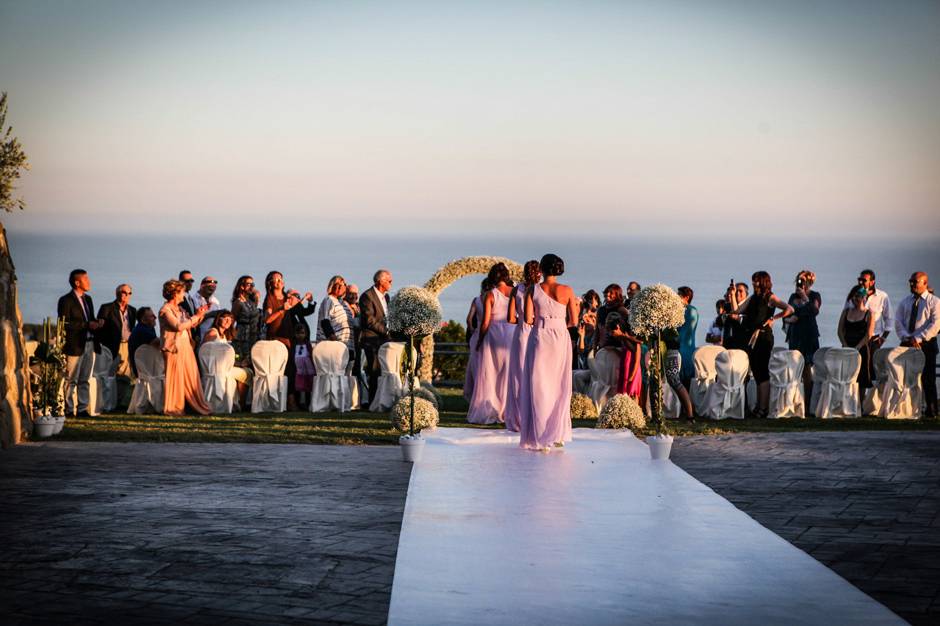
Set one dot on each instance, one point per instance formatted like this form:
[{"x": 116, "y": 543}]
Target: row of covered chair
[
  {"x": 721, "y": 388},
  {"x": 333, "y": 388}
]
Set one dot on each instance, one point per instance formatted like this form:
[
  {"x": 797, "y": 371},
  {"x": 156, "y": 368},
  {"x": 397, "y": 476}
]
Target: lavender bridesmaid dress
[
  {"x": 473, "y": 361},
  {"x": 546, "y": 388},
  {"x": 517, "y": 349},
  {"x": 488, "y": 403}
]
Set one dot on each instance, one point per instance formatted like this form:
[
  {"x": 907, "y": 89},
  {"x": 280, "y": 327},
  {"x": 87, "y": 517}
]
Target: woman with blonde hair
[
  {"x": 801, "y": 328},
  {"x": 182, "y": 385},
  {"x": 335, "y": 322}
]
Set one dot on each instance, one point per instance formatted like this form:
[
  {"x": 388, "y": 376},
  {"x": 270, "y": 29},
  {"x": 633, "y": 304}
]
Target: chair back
[
  {"x": 604, "y": 371},
  {"x": 842, "y": 364},
  {"x": 838, "y": 395},
  {"x": 148, "y": 392},
  {"x": 330, "y": 358},
  {"x": 389, "y": 357},
  {"x": 879, "y": 363},
  {"x": 903, "y": 391},
  {"x": 268, "y": 358},
  {"x": 216, "y": 360},
  {"x": 786, "y": 384},
  {"x": 731, "y": 367},
  {"x": 269, "y": 385},
  {"x": 703, "y": 359},
  {"x": 149, "y": 362},
  {"x": 786, "y": 367},
  {"x": 103, "y": 363}
]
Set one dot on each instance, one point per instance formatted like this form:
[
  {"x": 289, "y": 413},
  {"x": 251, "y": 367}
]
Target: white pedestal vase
[
  {"x": 660, "y": 446},
  {"x": 411, "y": 447},
  {"x": 44, "y": 426},
  {"x": 59, "y": 424}
]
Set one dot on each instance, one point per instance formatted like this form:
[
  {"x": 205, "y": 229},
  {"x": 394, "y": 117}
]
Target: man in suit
[
  {"x": 188, "y": 304},
  {"x": 917, "y": 321},
  {"x": 119, "y": 319},
  {"x": 373, "y": 327},
  {"x": 81, "y": 341}
]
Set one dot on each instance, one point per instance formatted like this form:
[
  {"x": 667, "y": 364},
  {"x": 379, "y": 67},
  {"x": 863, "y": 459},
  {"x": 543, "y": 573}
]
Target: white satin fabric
[
  {"x": 874, "y": 395},
  {"x": 389, "y": 387},
  {"x": 704, "y": 361},
  {"x": 903, "y": 393},
  {"x": 331, "y": 388},
  {"x": 605, "y": 370},
  {"x": 819, "y": 375},
  {"x": 269, "y": 386},
  {"x": 786, "y": 384},
  {"x": 838, "y": 394},
  {"x": 147, "y": 396},
  {"x": 102, "y": 386},
  {"x": 726, "y": 397},
  {"x": 219, "y": 385}
]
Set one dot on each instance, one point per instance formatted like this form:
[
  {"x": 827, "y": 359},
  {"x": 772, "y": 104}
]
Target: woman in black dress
[
  {"x": 802, "y": 331},
  {"x": 856, "y": 329},
  {"x": 757, "y": 318}
]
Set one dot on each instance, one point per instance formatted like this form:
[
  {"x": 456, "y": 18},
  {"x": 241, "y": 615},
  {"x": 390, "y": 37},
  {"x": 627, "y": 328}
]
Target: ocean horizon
[{"x": 43, "y": 262}]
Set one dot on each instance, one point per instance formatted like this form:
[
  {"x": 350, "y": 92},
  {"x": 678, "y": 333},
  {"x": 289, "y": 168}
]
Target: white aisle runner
[{"x": 595, "y": 534}]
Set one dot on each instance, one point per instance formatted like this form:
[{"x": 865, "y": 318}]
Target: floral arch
[{"x": 448, "y": 275}]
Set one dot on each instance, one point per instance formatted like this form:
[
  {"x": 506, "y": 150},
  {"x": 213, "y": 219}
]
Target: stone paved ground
[
  {"x": 865, "y": 504},
  {"x": 199, "y": 533}
]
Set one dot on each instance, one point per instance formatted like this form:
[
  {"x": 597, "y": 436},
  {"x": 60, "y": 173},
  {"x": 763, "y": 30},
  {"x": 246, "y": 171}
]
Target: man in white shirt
[
  {"x": 880, "y": 306},
  {"x": 917, "y": 323},
  {"x": 205, "y": 297}
]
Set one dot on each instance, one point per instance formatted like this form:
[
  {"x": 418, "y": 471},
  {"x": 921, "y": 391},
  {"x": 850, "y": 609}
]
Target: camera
[{"x": 800, "y": 282}]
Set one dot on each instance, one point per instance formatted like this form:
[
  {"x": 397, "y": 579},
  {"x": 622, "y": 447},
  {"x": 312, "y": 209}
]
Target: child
[{"x": 303, "y": 363}]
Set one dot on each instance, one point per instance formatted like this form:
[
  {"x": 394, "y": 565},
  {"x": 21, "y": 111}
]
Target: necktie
[
  {"x": 387, "y": 300},
  {"x": 87, "y": 310},
  {"x": 912, "y": 322}
]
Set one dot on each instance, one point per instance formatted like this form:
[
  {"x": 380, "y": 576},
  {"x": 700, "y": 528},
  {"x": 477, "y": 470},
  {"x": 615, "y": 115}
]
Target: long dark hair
[
  {"x": 763, "y": 286},
  {"x": 217, "y": 324},
  {"x": 617, "y": 291},
  {"x": 531, "y": 272},
  {"x": 552, "y": 265},
  {"x": 251, "y": 295},
  {"x": 499, "y": 273},
  {"x": 268, "y": 285}
]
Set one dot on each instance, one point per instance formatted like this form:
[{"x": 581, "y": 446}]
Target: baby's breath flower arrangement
[
  {"x": 413, "y": 312},
  {"x": 426, "y": 394},
  {"x": 622, "y": 411},
  {"x": 656, "y": 309},
  {"x": 422, "y": 415},
  {"x": 582, "y": 407}
]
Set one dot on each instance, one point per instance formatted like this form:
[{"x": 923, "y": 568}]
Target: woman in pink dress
[
  {"x": 551, "y": 308},
  {"x": 520, "y": 339},
  {"x": 488, "y": 402},
  {"x": 182, "y": 385},
  {"x": 474, "y": 318}
]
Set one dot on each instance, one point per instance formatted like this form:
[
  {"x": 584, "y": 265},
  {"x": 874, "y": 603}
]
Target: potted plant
[
  {"x": 657, "y": 309},
  {"x": 49, "y": 397},
  {"x": 415, "y": 313}
]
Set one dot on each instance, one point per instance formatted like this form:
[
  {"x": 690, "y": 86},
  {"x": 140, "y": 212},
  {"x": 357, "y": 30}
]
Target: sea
[{"x": 43, "y": 262}]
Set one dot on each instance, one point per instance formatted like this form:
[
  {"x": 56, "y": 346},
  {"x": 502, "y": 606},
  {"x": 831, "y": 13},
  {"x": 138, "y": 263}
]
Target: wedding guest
[
  {"x": 758, "y": 318},
  {"x": 352, "y": 298},
  {"x": 633, "y": 288},
  {"x": 281, "y": 308},
  {"x": 551, "y": 308},
  {"x": 188, "y": 304},
  {"x": 918, "y": 322},
  {"x": 687, "y": 336},
  {"x": 335, "y": 319},
  {"x": 373, "y": 324},
  {"x": 802, "y": 331},
  {"x": 205, "y": 297},
  {"x": 247, "y": 312},
  {"x": 587, "y": 327},
  {"x": 733, "y": 333},
  {"x": 144, "y": 333},
  {"x": 531, "y": 274},
  {"x": 119, "y": 319},
  {"x": 488, "y": 402},
  {"x": 716, "y": 330},
  {"x": 672, "y": 366},
  {"x": 81, "y": 341},
  {"x": 856, "y": 330},
  {"x": 303, "y": 365},
  {"x": 223, "y": 331},
  {"x": 474, "y": 318},
  {"x": 182, "y": 385},
  {"x": 630, "y": 349},
  {"x": 613, "y": 301},
  {"x": 880, "y": 306}
]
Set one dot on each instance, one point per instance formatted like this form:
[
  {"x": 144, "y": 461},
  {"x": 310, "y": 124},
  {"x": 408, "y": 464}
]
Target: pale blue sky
[{"x": 699, "y": 117}]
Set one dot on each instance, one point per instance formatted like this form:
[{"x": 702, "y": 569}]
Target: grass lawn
[{"x": 358, "y": 428}]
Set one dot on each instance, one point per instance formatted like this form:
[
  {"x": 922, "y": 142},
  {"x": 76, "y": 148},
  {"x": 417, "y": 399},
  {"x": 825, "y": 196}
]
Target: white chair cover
[
  {"x": 874, "y": 395},
  {"x": 786, "y": 384},
  {"x": 819, "y": 375},
  {"x": 388, "y": 389},
  {"x": 269, "y": 386},
  {"x": 605, "y": 369},
  {"x": 704, "y": 361},
  {"x": 102, "y": 386},
  {"x": 903, "y": 393},
  {"x": 838, "y": 396},
  {"x": 147, "y": 396},
  {"x": 216, "y": 360},
  {"x": 581, "y": 380},
  {"x": 331, "y": 384},
  {"x": 726, "y": 397}
]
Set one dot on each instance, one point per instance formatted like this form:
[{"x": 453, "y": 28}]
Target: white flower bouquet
[
  {"x": 414, "y": 312},
  {"x": 406, "y": 420},
  {"x": 582, "y": 407},
  {"x": 622, "y": 411}
]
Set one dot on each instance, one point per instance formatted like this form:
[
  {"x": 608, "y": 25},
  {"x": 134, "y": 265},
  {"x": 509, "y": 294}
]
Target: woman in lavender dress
[
  {"x": 551, "y": 308},
  {"x": 474, "y": 319},
  {"x": 520, "y": 339},
  {"x": 488, "y": 403}
]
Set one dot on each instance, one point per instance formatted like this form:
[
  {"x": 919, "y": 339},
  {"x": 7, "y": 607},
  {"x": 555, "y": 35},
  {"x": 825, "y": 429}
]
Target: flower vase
[
  {"x": 412, "y": 446},
  {"x": 44, "y": 426},
  {"x": 59, "y": 424},
  {"x": 660, "y": 446}
]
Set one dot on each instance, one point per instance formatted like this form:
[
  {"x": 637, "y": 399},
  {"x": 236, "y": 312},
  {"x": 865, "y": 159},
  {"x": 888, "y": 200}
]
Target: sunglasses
[
  {"x": 249, "y": 284},
  {"x": 189, "y": 280},
  {"x": 127, "y": 293},
  {"x": 210, "y": 282}
]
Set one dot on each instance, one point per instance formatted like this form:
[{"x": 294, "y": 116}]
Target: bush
[
  {"x": 451, "y": 367},
  {"x": 425, "y": 414},
  {"x": 622, "y": 411},
  {"x": 582, "y": 407}
]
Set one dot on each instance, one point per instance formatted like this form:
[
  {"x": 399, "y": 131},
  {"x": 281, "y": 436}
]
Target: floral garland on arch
[
  {"x": 443, "y": 278},
  {"x": 656, "y": 309}
]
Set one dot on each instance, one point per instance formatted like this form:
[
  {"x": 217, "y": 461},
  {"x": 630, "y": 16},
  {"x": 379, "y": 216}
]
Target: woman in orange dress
[{"x": 182, "y": 385}]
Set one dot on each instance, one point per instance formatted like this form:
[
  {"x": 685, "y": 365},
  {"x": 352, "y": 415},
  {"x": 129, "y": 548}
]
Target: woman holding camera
[{"x": 801, "y": 328}]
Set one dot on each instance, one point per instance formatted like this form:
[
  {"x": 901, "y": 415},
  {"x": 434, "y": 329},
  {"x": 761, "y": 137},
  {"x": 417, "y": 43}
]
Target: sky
[{"x": 736, "y": 118}]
